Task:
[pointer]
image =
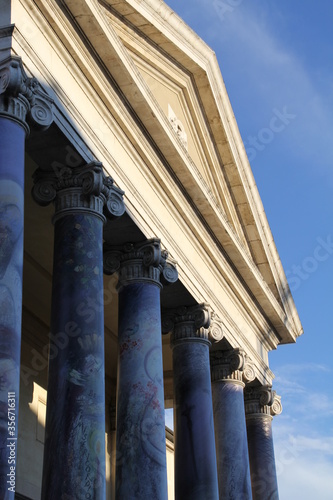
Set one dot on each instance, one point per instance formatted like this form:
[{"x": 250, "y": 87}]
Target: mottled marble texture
[
  {"x": 74, "y": 456},
  {"x": 12, "y": 137},
  {"x": 231, "y": 441},
  {"x": 195, "y": 457},
  {"x": 141, "y": 448},
  {"x": 262, "y": 460}
]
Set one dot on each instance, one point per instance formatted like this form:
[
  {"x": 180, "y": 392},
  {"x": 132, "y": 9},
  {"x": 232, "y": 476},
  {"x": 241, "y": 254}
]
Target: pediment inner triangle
[{"x": 194, "y": 148}]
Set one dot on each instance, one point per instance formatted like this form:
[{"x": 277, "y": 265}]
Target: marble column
[
  {"x": 195, "y": 456},
  {"x": 261, "y": 404},
  {"x": 230, "y": 369},
  {"x": 141, "y": 449},
  {"x": 22, "y": 103},
  {"x": 74, "y": 452}
]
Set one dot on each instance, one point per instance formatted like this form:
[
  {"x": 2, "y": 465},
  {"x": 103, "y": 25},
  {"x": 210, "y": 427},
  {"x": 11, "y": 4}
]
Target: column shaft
[
  {"x": 262, "y": 461},
  {"x": 261, "y": 403},
  {"x": 141, "y": 448},
  {"x": 231, "y": 441},
  {"x": 141, "y": 471},
  {"x": 74, "y": 455},
  {"x": 195, "y": 457},
  {"x": 229, "y": 370},
  {"x": 12, "y": 138},
  {"x": 21, "y": 101}
]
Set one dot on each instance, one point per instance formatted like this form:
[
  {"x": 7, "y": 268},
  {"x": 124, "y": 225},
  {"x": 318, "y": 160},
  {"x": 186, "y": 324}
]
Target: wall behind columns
[
  {"x": 170, "y": 464},
  {"x": 30, "y": 447}
]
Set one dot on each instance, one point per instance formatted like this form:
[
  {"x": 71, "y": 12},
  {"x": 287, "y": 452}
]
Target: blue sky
[{"x": 277, "y": 57}]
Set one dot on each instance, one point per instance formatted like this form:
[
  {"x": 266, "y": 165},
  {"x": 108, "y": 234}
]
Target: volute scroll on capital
[
  {"x": 140, "y": 262},
  {"x": 232, "y": 364},
  {"x": 22, "y": 99},
  {"x": 261, "y": 401},
  {"x": 79, "y": 189},
  {"x": 188, "y": 323},
  {"x": 216, "y": 329}
]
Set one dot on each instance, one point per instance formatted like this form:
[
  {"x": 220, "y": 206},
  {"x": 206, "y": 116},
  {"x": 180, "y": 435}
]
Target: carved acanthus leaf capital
[
  {"x": 140, "y": 262},
  {"x": 22, "y": 98},
  {"x": 262, "y": 401},
  {"x": 231, "y": 365},
  {"x": 187, "y": 323},
  {"x": 78, "y": 189}
]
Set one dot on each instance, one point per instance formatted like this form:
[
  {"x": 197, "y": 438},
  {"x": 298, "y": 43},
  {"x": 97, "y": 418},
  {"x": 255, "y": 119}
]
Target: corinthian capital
[
  {"x": 140, "y": 262},
  {"x": 231, "y": 364},
  {"x": 22, "y": 98},
  {"x": 80, "y": 189},
  {"x": 187, "y": 323},
  {"x": 262, "y": 401}
]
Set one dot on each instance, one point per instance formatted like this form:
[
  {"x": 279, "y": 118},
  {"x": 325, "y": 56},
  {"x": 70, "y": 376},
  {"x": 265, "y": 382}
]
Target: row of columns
[
  {"x": 223, "y": 435},
  {"x": 208, "y": 388}
]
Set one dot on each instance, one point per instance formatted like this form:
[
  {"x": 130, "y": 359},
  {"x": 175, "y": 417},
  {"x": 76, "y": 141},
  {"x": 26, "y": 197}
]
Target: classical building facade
[{"x": 137, "y": 268}]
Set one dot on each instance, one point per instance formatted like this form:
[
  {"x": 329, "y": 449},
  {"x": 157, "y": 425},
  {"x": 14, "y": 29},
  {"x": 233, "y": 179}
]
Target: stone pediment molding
[{"x": 22, "y": 98}]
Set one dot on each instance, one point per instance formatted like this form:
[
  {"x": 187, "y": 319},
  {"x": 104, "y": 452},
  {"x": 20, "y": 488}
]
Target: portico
[{"x": 114, "y": 118}]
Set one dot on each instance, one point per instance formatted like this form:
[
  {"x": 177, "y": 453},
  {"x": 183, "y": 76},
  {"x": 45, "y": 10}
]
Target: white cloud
[
  {"x": 303, "y": 432},
  {"x": 301, "y": 368},
  {"x": 268, "y": 74},
  {"x": 304, "y": 465},
  {"x": 303, "y": 398},
  {"x": 306, "y": 479}
]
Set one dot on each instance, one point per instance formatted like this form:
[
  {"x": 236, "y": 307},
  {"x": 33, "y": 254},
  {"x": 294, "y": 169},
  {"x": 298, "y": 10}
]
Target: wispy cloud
[
  {"x": 298, "y": 369},
  {"x": 259, "y": 58},
  {"x": 306, "y": 478},
  {"x": 304, "y": 464},
  {"x": 300, "y": 398}
]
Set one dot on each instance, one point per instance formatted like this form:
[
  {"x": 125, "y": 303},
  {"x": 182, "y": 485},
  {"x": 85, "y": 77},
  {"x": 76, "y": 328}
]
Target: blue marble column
[
  {"x": 229, "y": 371},
  {"x": 141, "y": 448},
  {"x": 74, "y": 452},
  {"x": 195, "y": 456},
  {"x": 17, "y": 108},
  {"x": 261, "y": 404}
]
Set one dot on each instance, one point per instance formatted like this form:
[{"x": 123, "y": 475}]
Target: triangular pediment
[
  {"x": 173, "y": 87},
  {"x": 173, "y": 91}
]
